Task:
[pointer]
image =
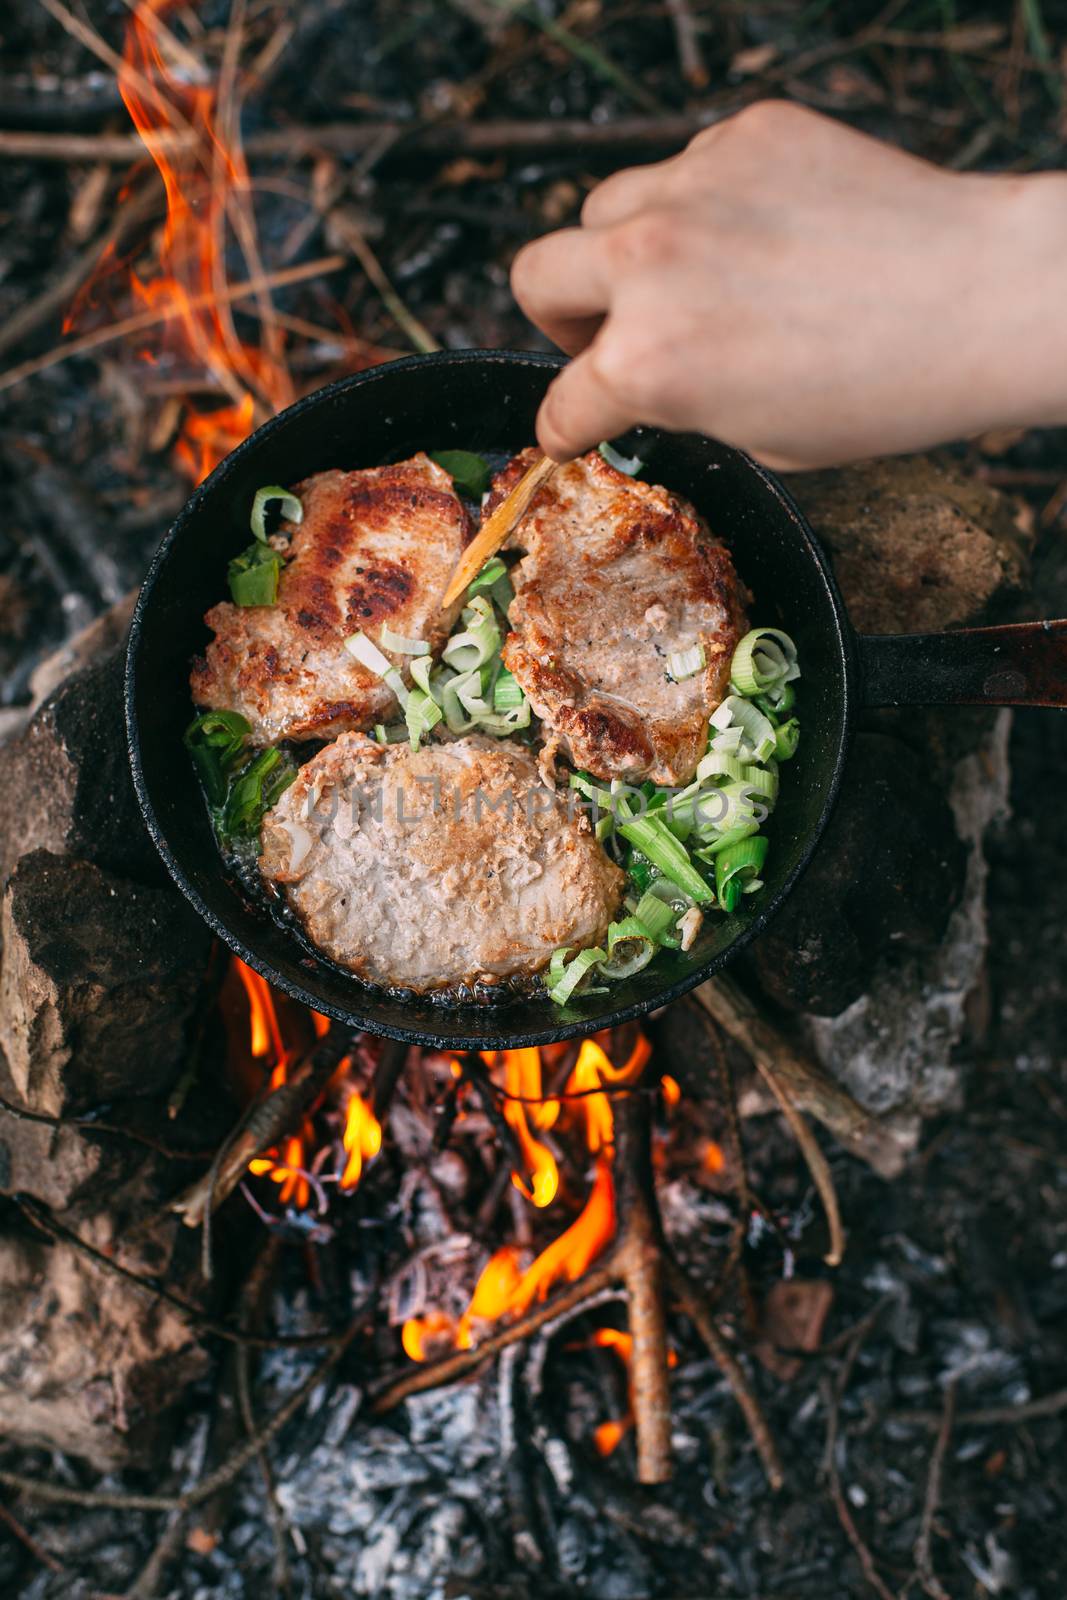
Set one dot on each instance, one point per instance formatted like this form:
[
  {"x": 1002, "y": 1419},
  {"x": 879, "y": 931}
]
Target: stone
[
  {"x": 917, "y": 543},
  {"x": 90, "y": 1363},
  {"x": 98, "y": 980},
  {"x": 65, "y": 782},
  {"x": 882, "y": 884}
]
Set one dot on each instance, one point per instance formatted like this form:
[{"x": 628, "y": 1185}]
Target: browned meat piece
[
  {"x": 375, "y": 546},
  {"x": 617, "y": 575},
  {"x": 451, "y": 865}
]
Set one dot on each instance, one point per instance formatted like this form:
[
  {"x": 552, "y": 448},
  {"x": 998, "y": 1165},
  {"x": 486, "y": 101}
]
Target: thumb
[{"x": 580, "y": 409}]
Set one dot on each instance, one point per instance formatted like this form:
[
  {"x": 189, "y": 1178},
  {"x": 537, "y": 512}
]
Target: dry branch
[
  {"x": 809, "y": 1088},
  {"x": 437, "y": 140}
]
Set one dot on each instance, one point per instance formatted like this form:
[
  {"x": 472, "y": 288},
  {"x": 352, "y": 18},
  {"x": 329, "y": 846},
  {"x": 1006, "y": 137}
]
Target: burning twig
[
  {"x": 477, "y": 1075},
  {"x": 264, "y": 1123},
  {"x": 167, "y": 313},
  {"x": 808, "y": 1086}
]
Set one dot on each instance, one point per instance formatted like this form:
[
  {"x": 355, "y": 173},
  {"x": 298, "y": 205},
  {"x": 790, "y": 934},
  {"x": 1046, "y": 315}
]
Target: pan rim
[{"x": 361, "y": 1015}]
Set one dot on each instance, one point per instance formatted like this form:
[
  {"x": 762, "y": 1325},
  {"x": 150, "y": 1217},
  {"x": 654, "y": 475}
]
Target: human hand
[{"x": 806, "y": 293}]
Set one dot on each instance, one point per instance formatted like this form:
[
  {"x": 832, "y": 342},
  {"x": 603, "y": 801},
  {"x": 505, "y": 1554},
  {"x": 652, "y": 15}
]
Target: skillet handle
[{"x": 1022, "y": 664}]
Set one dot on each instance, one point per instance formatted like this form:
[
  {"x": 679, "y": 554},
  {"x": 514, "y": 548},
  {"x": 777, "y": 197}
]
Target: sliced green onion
[
  {"x": 215, "y": 740},
  {"x": 605, "y": 827},
  {"x": 368, "y": 655},
  {"x": 251, "y": 795},
  {"x": 655, "y": 840},
  {"x": 253, "y": 576},
  {"x": 490, "y": 574},
  {"x": 507, "y": 692},
  {"x": 763, "y": 658},
  {"x": 735, "y": 867},
  {"x": 479, "y": 641},
  {"x": 743, "y": 830},
  {"x": 655, "y": 915},
  {"x": 470, "y": 474},
  {"x": 289, "y": 505},
  {"x": 421, "y": 714},
  {"x": 737, "y": 712},
  {"x": 401, "y": 645},
  {"x": 682, "y": 664},
  {"x": 564, "y": 979},
  {"x": 764, "y": 780},
  {"x": 639, "y": 870},
  {"x": 393, "y": 734},
  {"x": 630, "y": 948},
  {"x": 505, "y": 722},
  {"x": 455, "y": 712},
  {"x": 630, "y": 465},
  {"x": 786, "y": 739},
  {"x": 778, "y": 700},
  {"x": 720, "y": 764}
]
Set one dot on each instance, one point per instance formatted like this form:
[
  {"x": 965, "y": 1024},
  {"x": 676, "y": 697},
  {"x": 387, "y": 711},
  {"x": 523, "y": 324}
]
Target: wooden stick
[
  {"x": 503, "y": 521},
  {"x": 432, "y": 140},
  {"x": 809, "y": 1087},
  {"x": 641, "y": 1266},
  {"x": 816, "y": 1163}
]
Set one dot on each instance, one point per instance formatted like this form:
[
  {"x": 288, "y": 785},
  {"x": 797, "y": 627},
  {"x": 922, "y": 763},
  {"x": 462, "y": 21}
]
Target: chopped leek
[
  {"x": 490, "y": 574},
  {"x": 253, "y": 576},
  {"x": 368, "y": 655},
  {"x": 736, "y": 869},
  {"x": 215, "y": 740},
  {"x": 564, "y": 979},
  {"x": 480, "y": 639},
  {"x": 786, "y": 739},
  {"x": 630, "y": 949},
  {"x": 630, "y": 465},
  {"x": 421, "y": 714},
  {"x": 507, "y": 693},
  {"x": 470, "y": 474},
  {"x": 682, "y": 664},
  {"x": 765, "y": 657},
  {"x": 655, "y": 840},
  {"x": 289, "y": 505},
  {"x": 720, "y": 764},
  {"x": 393, "y": 734},
  {"x": 744, "y": 830},
  {"x": 401, "y": 645},
  {"x": 655, "y": 915}
]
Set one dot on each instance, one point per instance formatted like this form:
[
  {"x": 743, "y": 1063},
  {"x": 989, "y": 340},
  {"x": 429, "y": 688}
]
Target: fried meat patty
[
  {"x": 617, "y": 575},
  {"x": 375, "y": 546},
  {"x": 448, "y": 866}
]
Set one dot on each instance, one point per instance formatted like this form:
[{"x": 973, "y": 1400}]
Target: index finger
[{"x": 561, "y": 283}]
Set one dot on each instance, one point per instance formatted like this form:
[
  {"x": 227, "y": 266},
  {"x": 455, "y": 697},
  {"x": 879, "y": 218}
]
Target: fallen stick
[
  {"x": 924, "y": 1563},
  {"x": 433, "y": 140},
  {"x": 809, "y": 1088}
]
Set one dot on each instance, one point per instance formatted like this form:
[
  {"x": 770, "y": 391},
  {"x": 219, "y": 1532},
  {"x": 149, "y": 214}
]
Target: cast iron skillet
[{"x": 487, "y": 400}]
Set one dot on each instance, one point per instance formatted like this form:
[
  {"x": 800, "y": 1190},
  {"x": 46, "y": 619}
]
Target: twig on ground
[
  {"x": 23, "y": 1535},
  {"x": 923, "y": 1555},
  {"x": 114, "y": 331},
  {"x": 431, "y": 140},
  {"x": 344, "y": 232},
  {"x": 816, "y": 1163},
  {"x": 687, "y": 39},
  {"x": 1048, "y": 1405},
  {"x": 90, "y": 1125},
  {"x": 698, "y": 1311},
  {"x": 835, "y": 1392}
]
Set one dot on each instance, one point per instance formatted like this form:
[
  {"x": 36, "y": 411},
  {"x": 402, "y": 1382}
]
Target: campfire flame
[
  {"x": 189, "y": 124},
  {"x": 502, "y": 1289}
]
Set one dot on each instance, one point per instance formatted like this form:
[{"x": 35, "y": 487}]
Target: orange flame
[
  {"x": 208, "y": 194},
  {"x": 362, "y": 1139},
  {"x": 522, "y": 1078}
]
